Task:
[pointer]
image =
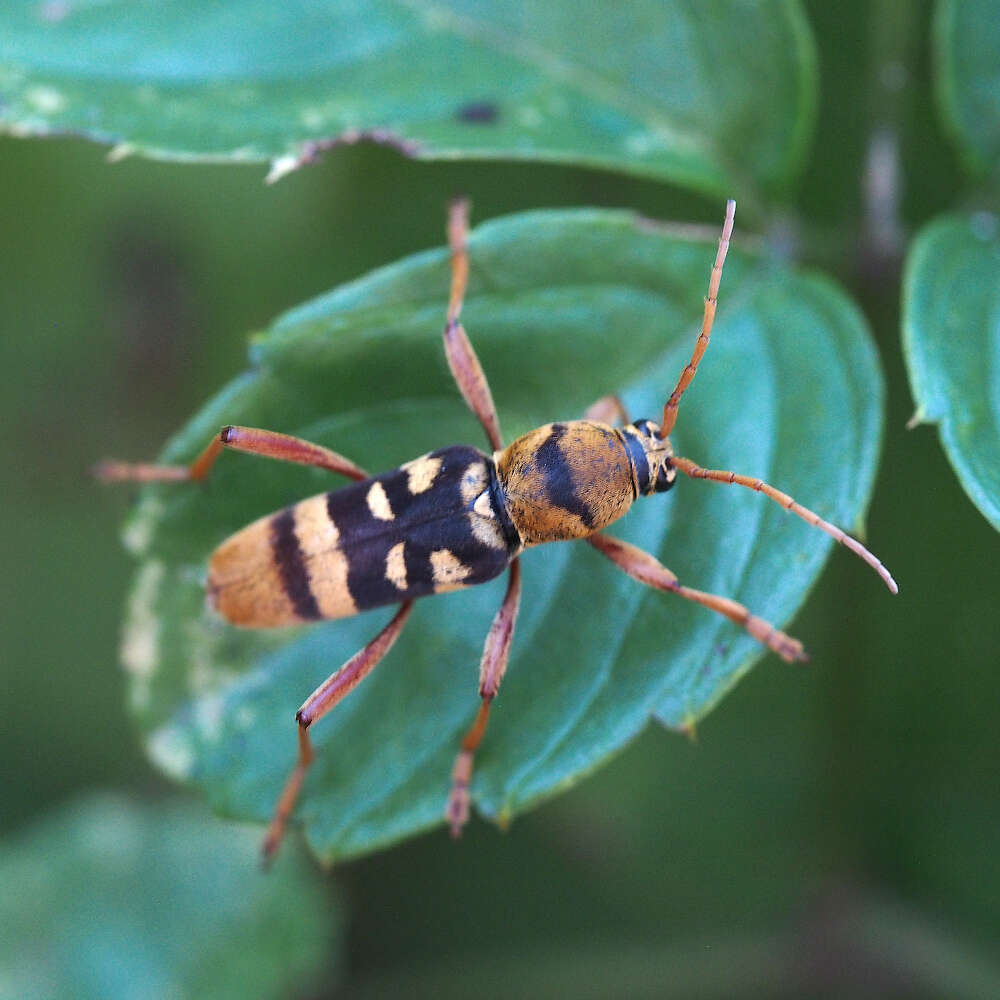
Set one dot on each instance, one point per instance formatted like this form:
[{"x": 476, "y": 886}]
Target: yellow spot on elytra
[
  {"x": 483, "y": 505},
  {"x": 421, "y": 473},
  {"x": 487, "y": 531},
  {"x": 326, "y": 563},
  {"x": 378, "y": 503},
  {"x": 395, "y": 566},
  {"x": 448, "y": 570},
  {"x": 313, "y": 528},
  {"x": 474, "y": 481}
]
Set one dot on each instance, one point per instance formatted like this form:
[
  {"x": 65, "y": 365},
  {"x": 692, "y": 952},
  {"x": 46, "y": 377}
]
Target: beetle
[{"x": 454, "y": 518}]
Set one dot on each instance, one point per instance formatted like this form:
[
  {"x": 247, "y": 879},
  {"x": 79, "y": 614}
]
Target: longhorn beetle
[{"x": 453, "y": 518}]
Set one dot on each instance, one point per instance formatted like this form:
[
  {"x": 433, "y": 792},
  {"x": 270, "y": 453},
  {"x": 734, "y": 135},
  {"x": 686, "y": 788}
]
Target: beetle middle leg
[
  {"x": 335, "y": 688},
  {"x": 648, "y": 570},
  {"x": 251, "y": 440},
  {"x": 496, "y": 651},
  {"x": 462, "y": 359}
]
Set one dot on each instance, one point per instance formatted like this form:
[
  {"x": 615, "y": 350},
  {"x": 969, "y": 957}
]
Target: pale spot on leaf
[
  {"x": 280, "y": 167},
  {"x": 171, "y": 750},
  {"x": 140, "y": 639},
  {"x": 528, "y": 117},
  {"x": 45, "y": 100}
]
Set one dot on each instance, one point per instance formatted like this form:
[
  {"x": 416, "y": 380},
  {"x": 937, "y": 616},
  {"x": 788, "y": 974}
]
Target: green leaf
[
  {"x": 563, "y": 307},
  {"x": 712, "y": 96},
  {"x": 107, "y": 898},
  {"x": 951, "y": 339},
  {"x": 967, "y": 52}
]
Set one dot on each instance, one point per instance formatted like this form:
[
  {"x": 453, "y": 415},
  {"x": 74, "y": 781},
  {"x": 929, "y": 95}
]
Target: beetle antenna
[
  {"x": 695, "y": 471},
  {"x": 670, "y": 409}
]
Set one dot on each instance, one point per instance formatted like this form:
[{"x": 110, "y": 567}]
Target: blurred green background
[{"x": 834, "y": 830}]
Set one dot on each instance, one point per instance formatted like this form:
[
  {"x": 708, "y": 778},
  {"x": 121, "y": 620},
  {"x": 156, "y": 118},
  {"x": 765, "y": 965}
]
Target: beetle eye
[{"x": 663, "y": 479}]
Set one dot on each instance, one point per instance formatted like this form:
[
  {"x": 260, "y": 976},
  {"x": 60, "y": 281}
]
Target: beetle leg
[
  {"x": 491, "y": 670},
  {"x": 336, "y": 687},
  {"x": 650, "y": 571},
  {"x": 695, "y": 471},
  {"x": 252, "y": 440},
  {"x": 462, "y": 359},
  {"x": 607, "y": 410}
]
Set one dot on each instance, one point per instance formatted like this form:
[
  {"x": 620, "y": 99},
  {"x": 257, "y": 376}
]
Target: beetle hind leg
[
  {"x": 647, "y": 569},
  {"x": 335, "y": 688},
  {"x": 496, "y": 651}
]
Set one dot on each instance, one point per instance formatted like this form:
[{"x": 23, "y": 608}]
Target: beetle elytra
[{"x": 453, "y": 518}]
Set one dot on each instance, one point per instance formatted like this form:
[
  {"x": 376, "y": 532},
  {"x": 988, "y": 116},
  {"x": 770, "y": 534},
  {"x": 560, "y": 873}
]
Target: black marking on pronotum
[
  {"x": 478, "y": 113},
  {"x": 291, "y": 565},
  {"x": 560, "y": 489},
  {"x": 637, "y": 456}
]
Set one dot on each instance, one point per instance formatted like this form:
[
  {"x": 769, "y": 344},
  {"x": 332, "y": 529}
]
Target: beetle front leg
[
  {"x": 462, "y": 359},
  {"x": 647, "y": 569},
  {"x": 251, "y": 440},
  {"x": 496, "y": 651},
  {"x": 335, "y": 688}
]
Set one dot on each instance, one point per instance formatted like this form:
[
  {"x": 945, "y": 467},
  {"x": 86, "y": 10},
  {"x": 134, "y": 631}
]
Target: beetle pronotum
[{"x": 453, "y": 518}]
